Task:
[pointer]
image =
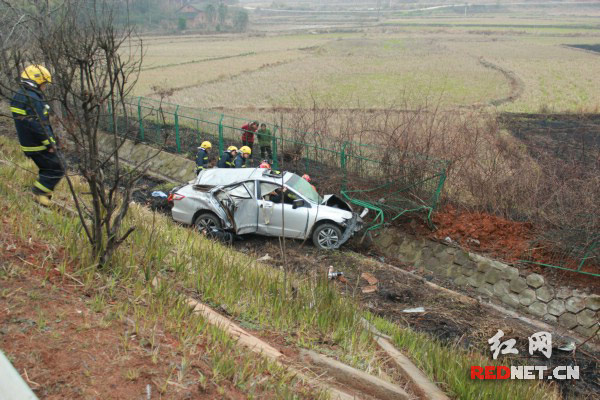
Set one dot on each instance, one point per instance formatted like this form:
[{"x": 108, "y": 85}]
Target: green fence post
[
  {"x": 306, "y": 155},
  {"x": 111, "y": 126},
  {"x": 140, "y": 120},
  {"x": 343, "y": 164},
  {"x": 221, "y": 149},
  {"x": 177, "y": 140},
  {"x": 274, "y": 148},
  {"x": 586, "y": 255}
]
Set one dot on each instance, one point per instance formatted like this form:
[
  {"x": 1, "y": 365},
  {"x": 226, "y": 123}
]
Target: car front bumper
[{"x": 352, "y": 226}]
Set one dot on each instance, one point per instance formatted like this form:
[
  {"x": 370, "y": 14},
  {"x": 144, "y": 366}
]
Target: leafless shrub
[{"x": 95, "y": 60}]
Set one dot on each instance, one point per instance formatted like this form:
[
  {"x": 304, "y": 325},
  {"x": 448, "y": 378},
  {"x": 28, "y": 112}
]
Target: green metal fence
[
  {"x": 581, "y": 259},
  {"x": 391, "y": 184},
  {"x": 387, "y": 183}
]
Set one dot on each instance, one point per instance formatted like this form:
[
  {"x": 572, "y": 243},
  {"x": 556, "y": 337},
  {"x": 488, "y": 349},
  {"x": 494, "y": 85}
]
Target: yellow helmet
[
  {"x": 232, "y": 148},
  {"x": 245, "y": 150},
  {"x": 206, "y": 145},
  {"x": 37, "y": 73}
]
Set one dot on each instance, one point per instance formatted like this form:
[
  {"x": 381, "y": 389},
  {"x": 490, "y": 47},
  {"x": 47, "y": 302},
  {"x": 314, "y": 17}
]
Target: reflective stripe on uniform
[
  {"x": 46, "y": 142},
  {"x": 18, "y": 111},
  {"x": 42, "y": 187},
  {"x": 34, "y": 148}
]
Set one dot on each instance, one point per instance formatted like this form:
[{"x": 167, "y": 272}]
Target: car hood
[{"x": 332, "y": 200}]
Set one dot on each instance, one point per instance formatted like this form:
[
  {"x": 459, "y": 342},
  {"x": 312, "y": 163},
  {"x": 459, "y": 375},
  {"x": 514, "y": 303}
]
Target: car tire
[
  {"x": 207, "y": 220},
  {"x": 327, "y": 236}
]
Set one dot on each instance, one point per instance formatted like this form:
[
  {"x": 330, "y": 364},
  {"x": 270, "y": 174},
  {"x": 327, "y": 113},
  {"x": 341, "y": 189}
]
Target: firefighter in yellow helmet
[
  {"x": 31, "y": 115},
  {"x": 242, "y": 157},
  {"x": 226, "y": 160},
  {"x": 202, "y": 156}
]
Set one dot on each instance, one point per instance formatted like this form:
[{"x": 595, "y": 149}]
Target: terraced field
[{"x": 521, "y": 65}]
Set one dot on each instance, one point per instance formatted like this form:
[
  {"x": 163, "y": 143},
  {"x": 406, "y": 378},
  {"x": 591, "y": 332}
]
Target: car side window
[{"x": 268, "y": 191}]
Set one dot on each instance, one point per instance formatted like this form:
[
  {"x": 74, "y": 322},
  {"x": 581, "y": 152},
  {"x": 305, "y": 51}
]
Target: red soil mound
[{"x": 486, "y": 233}]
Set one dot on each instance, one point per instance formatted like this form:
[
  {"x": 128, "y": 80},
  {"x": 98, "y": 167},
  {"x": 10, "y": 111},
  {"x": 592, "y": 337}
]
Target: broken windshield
[{"x": 305, "y": 189}]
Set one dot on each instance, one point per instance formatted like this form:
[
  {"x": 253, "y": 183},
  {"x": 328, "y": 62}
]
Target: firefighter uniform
[
  {"x": 201, "y": 160},
  {"x": 240, "y": 161},
  {"x": 30, "y": 113},
  {"x": 226, "y": 160}
]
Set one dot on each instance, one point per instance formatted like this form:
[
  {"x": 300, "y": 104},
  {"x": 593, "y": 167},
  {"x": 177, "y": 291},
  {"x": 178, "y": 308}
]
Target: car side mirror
[{"x": 297, "y": 203}]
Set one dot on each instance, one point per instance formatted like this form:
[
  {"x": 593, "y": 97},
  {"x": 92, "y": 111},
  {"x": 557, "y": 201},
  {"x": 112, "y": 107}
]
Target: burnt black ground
[
  {"x": 567, "y": 137},
  {"x": 590, "y": 47}
]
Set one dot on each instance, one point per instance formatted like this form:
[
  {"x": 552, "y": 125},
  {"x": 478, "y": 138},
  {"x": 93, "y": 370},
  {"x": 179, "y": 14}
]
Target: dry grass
[
  {"x": 182, "y": 61},
  {"x": 195, "y": 74},
  {"x": 174, "y": 49},
  {"x": 555, "y": 78},
  {"x": 377, "y": 70}
]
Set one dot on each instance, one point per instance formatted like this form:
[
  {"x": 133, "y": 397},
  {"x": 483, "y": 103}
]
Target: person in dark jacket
[
  {"x": 248, "y": 131},
  {"x": 226, "y": 160},
  {"x": 31, "y": 115},
  {"x": 202, "y": 156},
  {"x": 242, "y": 158}
]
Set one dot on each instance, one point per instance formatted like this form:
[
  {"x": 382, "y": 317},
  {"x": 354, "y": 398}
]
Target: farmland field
[{"x": 522, "y": 65}]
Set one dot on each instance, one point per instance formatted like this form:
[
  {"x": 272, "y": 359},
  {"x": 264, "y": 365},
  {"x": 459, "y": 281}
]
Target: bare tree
[{"x": 95, "y": 57}]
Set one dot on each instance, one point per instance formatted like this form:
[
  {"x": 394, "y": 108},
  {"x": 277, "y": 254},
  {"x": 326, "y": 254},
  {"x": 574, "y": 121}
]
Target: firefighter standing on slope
[
  {"x": 242, "y": 157},
  {"x": 202, "y": 156},
  {"x": 30, "y": 112},
  {"x": 226, "y": 160}
]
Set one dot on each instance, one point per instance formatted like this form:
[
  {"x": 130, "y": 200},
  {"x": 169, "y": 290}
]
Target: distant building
[{"x": 193, "y": 14}]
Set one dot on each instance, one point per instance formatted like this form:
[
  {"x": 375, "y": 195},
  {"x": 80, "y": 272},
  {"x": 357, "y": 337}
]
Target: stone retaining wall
[{"x": 518, "y": 290}]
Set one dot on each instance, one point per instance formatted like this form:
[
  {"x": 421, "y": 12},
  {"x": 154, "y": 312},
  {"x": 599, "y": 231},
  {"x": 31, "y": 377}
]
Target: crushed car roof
[{"x": 225, "y": 176}]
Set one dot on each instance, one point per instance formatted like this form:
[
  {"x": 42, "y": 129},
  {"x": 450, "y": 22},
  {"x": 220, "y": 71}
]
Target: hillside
[{"x": 115, "y": 325}]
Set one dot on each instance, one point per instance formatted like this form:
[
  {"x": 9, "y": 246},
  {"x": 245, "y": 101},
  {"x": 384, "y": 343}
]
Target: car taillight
[{"x": 175, "y": 196}]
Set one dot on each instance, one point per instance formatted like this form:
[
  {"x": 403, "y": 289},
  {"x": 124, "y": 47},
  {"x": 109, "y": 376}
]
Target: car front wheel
[
  {"x": 207, "y": 221},
  {"x": 327, "y": 236}
]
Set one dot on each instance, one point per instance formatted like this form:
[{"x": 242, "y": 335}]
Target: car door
[
  {"x": 271, "y": 220},
  {"x": 265, "y": 207},
  {"x": 239, "y": 203}
]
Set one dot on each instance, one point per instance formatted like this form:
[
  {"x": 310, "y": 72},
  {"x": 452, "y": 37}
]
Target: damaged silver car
[{"x": 265, "y": 202}]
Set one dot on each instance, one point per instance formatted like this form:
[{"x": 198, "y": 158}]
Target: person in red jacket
[{"x": 248, "y": 131}]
